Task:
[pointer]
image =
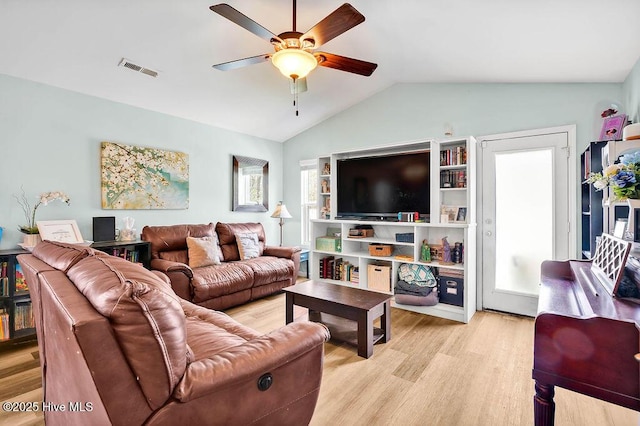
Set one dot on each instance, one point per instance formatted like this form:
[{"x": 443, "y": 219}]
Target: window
[{"x": 308, "y": 198}]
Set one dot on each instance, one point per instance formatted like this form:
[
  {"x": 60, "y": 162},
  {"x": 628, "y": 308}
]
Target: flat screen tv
[{"x": 380, "y": 187}]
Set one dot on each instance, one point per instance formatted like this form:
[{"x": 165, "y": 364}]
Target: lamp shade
[
  {"x": 281, "y": 212},
  {"x": 294, "y": 63}
]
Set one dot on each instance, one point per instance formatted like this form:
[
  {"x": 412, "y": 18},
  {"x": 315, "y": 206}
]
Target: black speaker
[{"x": 104, "y": 228}]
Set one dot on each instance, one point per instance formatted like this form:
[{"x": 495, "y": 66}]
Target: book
[
  {"x": 21, "y": 283},
  {"x": 4, "y": 325}
]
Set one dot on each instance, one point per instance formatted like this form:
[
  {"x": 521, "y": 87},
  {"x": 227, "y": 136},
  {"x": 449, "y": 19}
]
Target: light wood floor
[{"x": 432, "y": 372}]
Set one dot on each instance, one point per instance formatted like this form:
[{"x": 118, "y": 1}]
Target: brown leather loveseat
[
  {"x": 229, "y": 282},
  {"x": 117, "y": 346}
]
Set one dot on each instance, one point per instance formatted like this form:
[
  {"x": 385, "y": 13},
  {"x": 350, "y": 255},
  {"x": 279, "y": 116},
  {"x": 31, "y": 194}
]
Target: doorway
[{"x": 526, "y": 204}]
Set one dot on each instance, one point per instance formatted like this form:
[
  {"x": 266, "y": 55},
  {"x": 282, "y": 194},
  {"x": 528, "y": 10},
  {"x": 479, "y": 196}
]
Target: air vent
[{"x": 128, "y": 64}]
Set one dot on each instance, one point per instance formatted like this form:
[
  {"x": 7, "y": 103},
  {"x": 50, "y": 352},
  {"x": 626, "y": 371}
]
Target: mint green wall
[
  {"x": 631, "y": 88},
  {"x": 406, "y": 112},
  {"x": 50, "y": 139}
]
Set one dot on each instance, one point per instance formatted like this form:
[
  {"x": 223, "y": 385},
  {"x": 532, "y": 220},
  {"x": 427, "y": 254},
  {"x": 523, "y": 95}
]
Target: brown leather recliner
[
  {"x": 234, "y": 281},
  {"x": 117, "y": 346}
]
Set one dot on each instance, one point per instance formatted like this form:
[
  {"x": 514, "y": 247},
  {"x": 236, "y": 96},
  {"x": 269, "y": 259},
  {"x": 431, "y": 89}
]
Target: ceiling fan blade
[
  {"x": 244, "y": 21},
  {"x": 337, "y": 22},
  {"x": 239, "y": 63},
  {"x": 343, "y": 63}
]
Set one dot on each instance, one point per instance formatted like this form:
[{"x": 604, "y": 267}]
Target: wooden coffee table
[{"x": 328, "y": 301}]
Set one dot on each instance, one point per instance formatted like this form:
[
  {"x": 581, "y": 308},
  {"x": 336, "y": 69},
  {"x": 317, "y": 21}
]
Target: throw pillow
[
  {"x": 248, "y": 245},
  {"x": 203, "y": 251}
]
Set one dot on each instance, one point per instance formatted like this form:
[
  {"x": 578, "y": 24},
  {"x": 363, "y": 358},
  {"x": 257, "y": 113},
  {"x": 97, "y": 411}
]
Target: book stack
[
  {"x": 4, "y": 279},
  {"x": 23, "y": 316},
  {"x": 453, "y": 179},
  {"x": 455, "y": 156},
  {"x": 130, "y": 255},
  {"x": 4, "y": 325},
  {"x": 338, "y": 269}
]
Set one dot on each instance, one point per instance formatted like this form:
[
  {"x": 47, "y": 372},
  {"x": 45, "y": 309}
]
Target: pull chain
[{"x": 295, "y": 93}]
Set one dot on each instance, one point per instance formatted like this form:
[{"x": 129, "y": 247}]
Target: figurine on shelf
[
  {"x": 446, "y": 251},
  {"x": 425, "y": 252},
  {"x": 325, "y": 186},
  {"x": 326, "y": 170}
]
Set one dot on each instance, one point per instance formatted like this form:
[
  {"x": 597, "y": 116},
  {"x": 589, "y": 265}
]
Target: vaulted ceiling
[{"x": 77, "y": 45}]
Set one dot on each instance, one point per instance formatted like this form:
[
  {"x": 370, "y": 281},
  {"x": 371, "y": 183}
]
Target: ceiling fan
[{"x": 294, "y": 52}]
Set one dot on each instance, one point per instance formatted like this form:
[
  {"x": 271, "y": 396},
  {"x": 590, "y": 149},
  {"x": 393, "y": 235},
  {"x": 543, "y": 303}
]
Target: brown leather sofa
[
  {"x": 117, "y": 346},
  {"x": 234, "y": 281}
]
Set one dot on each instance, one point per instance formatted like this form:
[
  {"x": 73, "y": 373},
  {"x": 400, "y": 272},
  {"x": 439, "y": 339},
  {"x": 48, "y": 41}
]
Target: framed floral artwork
[
  {"x": 134, "y": 177},
  {"x": 612, "y": 127}
]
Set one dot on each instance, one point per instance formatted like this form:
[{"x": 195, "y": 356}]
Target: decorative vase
[
  {"x": 31, "y": 240},
  {"x": 634, "y": 205}
]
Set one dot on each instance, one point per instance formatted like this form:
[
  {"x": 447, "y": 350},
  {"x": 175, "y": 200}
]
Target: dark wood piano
[{"x": 585, "y": 340}]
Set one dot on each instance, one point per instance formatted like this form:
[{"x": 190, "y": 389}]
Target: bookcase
[
  {"x": 456, "y": 192},
  {"x": 133, "y": 251},
  {"x": 16, "y": 314},
  {"x": 349, "y": 260},
  {"x": 599, "y": 212},
  {"x": 591, "y": 200}
]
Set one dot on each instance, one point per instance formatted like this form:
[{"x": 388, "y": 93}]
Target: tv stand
[{"x": 354, "y": 251}]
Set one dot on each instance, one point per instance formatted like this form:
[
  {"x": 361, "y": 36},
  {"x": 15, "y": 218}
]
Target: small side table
[{"x": 304, "y": 258}]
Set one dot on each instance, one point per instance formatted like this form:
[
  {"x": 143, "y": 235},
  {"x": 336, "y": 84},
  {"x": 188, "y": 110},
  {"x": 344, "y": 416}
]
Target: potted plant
[{"x": 32, "y": 235}]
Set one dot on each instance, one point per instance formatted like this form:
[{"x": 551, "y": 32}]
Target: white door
[{"x": 525, "y": 206}]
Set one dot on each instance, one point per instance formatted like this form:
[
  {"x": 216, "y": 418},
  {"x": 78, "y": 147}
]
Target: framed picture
[
  {"x": 612, "y": 127},
  {"x": 620, "y": 228},
  {"x": 461, "y": 216},
  {"x": 453, "y": 214},
  {"x": 140, "y": 178},
  {"x": 63, "y": 231},
  {"x": 449, "y": 214}
]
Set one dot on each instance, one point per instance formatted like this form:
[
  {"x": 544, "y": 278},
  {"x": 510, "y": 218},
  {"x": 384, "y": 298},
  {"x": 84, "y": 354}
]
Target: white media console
[{"x": 452, "y": 187}]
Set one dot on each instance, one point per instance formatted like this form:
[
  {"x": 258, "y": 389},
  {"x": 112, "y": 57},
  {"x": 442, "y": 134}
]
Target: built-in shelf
[{"x": 354, "y": 252}]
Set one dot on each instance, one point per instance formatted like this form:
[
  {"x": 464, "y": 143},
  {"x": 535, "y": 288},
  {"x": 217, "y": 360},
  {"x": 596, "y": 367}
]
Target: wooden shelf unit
[
  {"x": 15, "y": 304},
  {"x": 355, "y": 250},
  {"x": 598, "y": 212}
]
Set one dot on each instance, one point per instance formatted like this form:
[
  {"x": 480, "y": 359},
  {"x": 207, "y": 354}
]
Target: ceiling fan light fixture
[{"x": 294, "y": 63}]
